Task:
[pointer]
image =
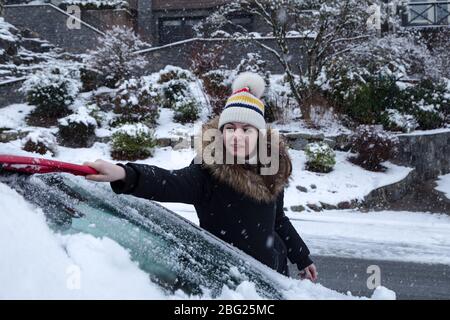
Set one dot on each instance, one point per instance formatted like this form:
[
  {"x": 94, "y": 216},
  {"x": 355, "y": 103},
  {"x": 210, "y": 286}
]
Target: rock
[
  {"x": 327, "y": 206},
  {"x": 314, "y": 207},
  {"x": 301, "y": 189},
  {"x": 344, "y": 205},
  {"x": 182, "y": 143},
  {"x": 10, "y": 47},
  {"x": 298, "y": 208},
  {"x": 102, "y": 139},
  {"x": 313, "y": 186},
  {"x": 164, "y": 142},
  {"x": 11, "y": 135},
  {"x": 298, "y": 140},
  {"x": 36, "y": 45}
]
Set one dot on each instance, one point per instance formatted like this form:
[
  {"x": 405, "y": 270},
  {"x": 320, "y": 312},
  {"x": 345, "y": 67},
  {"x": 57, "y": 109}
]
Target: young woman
[{"x": 233, "y": 199}]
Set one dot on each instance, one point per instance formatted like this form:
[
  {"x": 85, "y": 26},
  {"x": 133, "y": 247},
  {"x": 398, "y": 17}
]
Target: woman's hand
[
  {"x": 310, "y": 272},
  {"x": 107, "y": 172}
]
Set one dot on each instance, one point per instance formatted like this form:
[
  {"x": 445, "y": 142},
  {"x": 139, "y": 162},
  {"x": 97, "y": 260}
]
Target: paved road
[{"x": 408, "y": 280}]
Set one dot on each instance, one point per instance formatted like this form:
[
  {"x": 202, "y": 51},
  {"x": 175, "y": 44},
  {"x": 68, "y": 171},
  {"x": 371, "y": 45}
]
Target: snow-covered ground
[
  {"x": 36, "y": 263},
  {"x": 13, "y": 116},
  {"x": 385, "y": 235},
  {"x": 443, "y": 184}
]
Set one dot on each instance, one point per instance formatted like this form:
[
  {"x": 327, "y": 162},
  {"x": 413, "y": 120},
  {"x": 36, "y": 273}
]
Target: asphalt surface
[{"x": 408, "y": 280}]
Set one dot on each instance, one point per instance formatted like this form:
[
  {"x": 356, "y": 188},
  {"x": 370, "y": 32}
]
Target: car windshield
[{"x": 174, "y": 252}]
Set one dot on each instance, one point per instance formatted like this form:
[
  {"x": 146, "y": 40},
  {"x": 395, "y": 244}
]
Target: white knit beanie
[{"x": 244, "y": 105}]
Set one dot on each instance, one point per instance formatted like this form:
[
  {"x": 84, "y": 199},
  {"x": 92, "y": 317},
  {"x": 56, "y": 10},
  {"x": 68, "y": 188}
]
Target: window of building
[
  {"x": 177, "y": 29},
  {"x": 428, "y": 12}
]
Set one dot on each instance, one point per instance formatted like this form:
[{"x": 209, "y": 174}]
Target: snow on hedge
[
  {"x": 401, "y": 120},
  {"x": 80, "y": 116},
  {"x": 133, "y": 130},
  {"x": 44, "y": 136},
  {"x": 56, "y": 77}
]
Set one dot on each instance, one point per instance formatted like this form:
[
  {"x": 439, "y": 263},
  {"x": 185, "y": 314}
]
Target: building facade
[{"x": 161, "y": 22}]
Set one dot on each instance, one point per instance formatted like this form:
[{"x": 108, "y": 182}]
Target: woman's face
[{"x": 240, "y": 139}]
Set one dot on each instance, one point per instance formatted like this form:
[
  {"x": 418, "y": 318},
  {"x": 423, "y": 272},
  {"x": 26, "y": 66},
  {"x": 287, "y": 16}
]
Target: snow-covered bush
[
  {"x": 380, "y": 99},
  {"x": 40, "y": 141},
  {"x": 395, "y": 120},
  {"x": 174, "y": 73},
  {"x": 430, "y": 103},
  {"x": 205, "y": 57},
  {"x": 132, "y": 142},
  {"x": 90, "y": 79},
  {"x": 364, "y": 103},
  {"x": 440, "y": 46},
  {"x": 173, "y": 91},
  {"x": 52, "y": 91},
  {"x": 217, "y": 85},
  {"x": 136, "y": 101},
  {"x": 253, "y": 62},
  {"x": 379, "y": 75},
  {"x": 206, "y": 64},
  {"x": 78, "y": 129},
  {"x": 320, "y": 157},
  {"x": 114, "y": 58},
  {"x": 175, "y": 88},
  {"x": 424, "y": 105},
  {"x": 280, "y": 105},
  {"x": 400, "y": 56},
  {"x": 186, "y": 110},
  {"x": 373, "y": 145},
  {"x": 174, "y": 85}
]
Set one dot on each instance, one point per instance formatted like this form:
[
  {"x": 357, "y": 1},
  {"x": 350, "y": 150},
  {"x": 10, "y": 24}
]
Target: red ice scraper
[{"x": 40, "y": 165}]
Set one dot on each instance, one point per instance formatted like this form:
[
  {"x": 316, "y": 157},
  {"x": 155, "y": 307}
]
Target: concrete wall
[
  {"x": 50, "y": 23},
  {"x": 105, "y": 19},
  {"x": 179, "y": 54}
]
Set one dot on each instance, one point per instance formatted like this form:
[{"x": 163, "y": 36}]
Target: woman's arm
[
  {"x": 154, "y": 183},
  {"x": 297, "y": 250}
]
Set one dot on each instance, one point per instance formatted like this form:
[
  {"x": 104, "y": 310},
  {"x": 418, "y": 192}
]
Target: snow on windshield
[{"x": 37, "y": 263}]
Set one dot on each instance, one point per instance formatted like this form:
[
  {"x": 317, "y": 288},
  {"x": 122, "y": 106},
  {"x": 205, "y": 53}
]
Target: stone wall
[
  {"x": 428, "y": 153},
  {"x": 9, "y": 93}
]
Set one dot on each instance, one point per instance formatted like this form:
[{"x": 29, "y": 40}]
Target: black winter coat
[{"x": 232, "y": 202}]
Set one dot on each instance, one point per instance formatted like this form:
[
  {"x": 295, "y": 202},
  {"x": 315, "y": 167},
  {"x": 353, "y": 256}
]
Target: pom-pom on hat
[{"x": 244, "y": 104}]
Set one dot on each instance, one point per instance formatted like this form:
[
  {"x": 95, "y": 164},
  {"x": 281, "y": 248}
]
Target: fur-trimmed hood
[{"x": 246, "y": 178}]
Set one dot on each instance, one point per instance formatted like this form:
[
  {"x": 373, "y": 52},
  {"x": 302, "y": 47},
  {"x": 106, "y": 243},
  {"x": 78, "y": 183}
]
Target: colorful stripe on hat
[{"x": 243, "y": 98}]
